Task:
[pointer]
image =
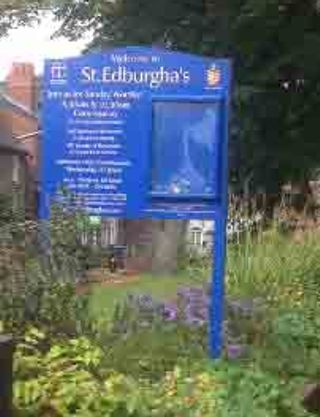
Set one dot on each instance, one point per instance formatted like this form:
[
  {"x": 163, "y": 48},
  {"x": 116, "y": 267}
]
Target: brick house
[
  {"x": 19, "y": 130},
  {"x": 13, "y": 166}
]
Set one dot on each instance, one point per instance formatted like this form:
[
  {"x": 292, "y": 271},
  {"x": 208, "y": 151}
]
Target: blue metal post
[{"x": 216, "y": 313}]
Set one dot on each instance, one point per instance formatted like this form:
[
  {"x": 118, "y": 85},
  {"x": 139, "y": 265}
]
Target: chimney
[{"x": 21, "y": 84}]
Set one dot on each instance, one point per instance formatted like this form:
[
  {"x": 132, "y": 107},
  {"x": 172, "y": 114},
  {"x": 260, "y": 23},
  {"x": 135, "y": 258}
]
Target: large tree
[
  {"x": 16, "y": 13},
  {"x": 274, "y": 45}
]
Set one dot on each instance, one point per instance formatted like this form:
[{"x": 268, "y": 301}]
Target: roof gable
[{"x": 7, "y": 102}]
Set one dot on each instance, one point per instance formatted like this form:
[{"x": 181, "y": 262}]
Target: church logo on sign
[
  {"x": 213, "y": 76},
  {"x": 58, "y": 73}
]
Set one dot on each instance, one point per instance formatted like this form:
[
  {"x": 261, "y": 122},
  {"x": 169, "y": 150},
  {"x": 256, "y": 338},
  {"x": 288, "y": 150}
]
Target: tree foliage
[
  {"x": 274, "y": 46},
  {"x": 15, "y": 13}
]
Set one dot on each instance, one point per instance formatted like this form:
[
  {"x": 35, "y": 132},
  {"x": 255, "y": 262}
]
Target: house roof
[
  {"x": 8, "y": 102},
  {"x": 8, "y": 145}
]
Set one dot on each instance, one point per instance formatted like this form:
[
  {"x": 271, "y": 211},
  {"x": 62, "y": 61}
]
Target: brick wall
[{"x": 21, "y": 86}]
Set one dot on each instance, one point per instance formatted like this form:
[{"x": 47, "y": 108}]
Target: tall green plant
[
  {"x": 35, "y": 285},
  {"x": 272, "y": 264}
]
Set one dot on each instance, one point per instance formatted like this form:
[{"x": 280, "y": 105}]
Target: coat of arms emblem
[{"x": 213, "y": 76}]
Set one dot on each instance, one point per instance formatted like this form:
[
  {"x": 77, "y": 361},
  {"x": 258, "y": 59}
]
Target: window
[
  {"x": 196, "y": 237},
  {"x": 109, "y": 232}
]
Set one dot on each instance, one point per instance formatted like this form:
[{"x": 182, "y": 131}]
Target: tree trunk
[
  {"x": 168, "y": 237},
  {"x": 271, "y": 201}
]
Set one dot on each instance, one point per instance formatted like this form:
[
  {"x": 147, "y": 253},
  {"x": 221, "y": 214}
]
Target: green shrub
[
  {"x": 38, "y": 280},
  {"x": 149, "y": 353},
  {"x": 64, "y": 378},
  {"x": 275, "y": 267},
  {"x": 160, "y": 370}
]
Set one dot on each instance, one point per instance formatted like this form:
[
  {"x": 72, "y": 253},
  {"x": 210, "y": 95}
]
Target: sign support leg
[{"x": 216, "y": 313}]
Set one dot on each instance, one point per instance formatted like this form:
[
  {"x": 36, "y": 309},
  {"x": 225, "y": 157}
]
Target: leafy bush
[
  {"x": 37, "y": 280},
  {"x": 65, "y": 379},
  {"x": 195, "y": 263},
  {"x": 68, "y": 377},
  {"x": 149, "y": 353},
  {"x": 151, "y": 360}
]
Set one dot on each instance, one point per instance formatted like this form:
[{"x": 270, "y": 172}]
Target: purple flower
[
  {"x": 193, "y": 306},
  {"x": 203, "y": 313},
  {"x": 184, "y": 292},
  {"x": 170, "y": 312},
  {"x": 146, "y": 298},
  {"x": 236, "y": 351},
  {"x": 190, "y": 293}
]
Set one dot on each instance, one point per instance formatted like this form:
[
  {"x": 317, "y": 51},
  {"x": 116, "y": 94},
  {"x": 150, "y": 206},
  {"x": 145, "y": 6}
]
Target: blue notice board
[
  {"x": 135, "y": 132},
  {"x": 185, "y": 148},
  {"x": 140, "y": 132}
]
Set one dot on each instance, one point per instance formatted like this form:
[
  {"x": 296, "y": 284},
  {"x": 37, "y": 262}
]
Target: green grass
[
  {"x": 104, "y": 299},
  {"x": 272, "y": 266}
]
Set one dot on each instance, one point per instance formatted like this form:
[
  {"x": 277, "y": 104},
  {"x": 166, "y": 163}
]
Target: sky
[{"x": 33, "y": 44}]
